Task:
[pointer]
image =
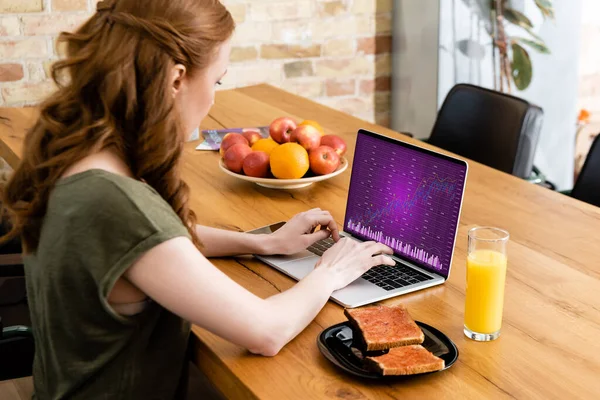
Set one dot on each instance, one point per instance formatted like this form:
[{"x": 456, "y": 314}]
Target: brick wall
[{"x": 333, "y": 51}]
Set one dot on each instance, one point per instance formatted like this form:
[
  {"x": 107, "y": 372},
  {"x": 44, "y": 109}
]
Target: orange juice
[{"x": 486, "y": 273}]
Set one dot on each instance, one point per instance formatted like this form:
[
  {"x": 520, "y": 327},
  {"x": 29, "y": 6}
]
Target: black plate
[{"x": 336, "y": 344}]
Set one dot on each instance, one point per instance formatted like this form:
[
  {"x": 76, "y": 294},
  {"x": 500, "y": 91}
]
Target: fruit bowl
[{"x": 273, "y": 183}]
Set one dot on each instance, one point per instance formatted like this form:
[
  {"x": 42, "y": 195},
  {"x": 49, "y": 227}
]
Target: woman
[{"x": 115, "y": 263}]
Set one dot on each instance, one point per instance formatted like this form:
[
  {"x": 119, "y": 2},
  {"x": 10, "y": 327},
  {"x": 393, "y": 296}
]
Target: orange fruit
[
  {"x": 266, "y": 145},
  {"x": 314, "y": 124},
  {"x": 289, "y": 161}
]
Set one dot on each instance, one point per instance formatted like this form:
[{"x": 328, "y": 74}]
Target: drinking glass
[{"x": 486, "y": 275}]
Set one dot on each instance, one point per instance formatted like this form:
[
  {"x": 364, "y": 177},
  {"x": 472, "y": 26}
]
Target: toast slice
[
  {"x": 384, "y": 327},
  {"x": 405, "y": 360}
]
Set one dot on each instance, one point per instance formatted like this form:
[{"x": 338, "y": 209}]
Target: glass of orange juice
[{"x": 486, "y": 274}]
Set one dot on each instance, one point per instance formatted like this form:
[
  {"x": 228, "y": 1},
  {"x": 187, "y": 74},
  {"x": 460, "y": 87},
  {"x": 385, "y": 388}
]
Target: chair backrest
[
  {"x": 16, "y": 340},
  {"x": 17, "y": 346},
  {"x": 587, "y": 187},
  {"x": 489, "y": 127},
  {"x": 17, "y": 349}
]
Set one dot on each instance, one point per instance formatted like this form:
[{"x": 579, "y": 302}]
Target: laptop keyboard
[
  {"x": 385, "y": 276},
  {"x": 319, "y": 247},
  {"x": 393, "y": 277}
]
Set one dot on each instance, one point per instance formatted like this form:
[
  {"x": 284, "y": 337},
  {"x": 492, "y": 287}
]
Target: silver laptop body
[{"x": 415, "y": 268}]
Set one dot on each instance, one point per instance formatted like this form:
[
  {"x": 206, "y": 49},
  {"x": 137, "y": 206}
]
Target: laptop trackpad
[
  {"x": 292, "y": 257},
  {"x": 300, "y": 268}
]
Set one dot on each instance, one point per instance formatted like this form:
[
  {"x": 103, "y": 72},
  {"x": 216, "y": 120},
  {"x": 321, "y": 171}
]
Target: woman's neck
[{"x": 104, "y": 159}]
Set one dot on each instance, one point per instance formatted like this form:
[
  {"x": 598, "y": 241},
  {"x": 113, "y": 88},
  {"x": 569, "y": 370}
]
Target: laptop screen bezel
[{"x": 410, "y": 146}]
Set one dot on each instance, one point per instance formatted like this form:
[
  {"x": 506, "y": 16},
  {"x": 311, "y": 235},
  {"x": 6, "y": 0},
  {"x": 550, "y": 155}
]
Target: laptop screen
[{"x": 406, "y": 197}]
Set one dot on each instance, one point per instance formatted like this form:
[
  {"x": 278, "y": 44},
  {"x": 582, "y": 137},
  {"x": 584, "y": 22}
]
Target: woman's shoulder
[
  {"x": 97, "y": 191},
  {"x": 99, "y": 181}
]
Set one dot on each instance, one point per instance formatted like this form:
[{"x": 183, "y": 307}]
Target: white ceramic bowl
[{"x": 273, "y": 183}]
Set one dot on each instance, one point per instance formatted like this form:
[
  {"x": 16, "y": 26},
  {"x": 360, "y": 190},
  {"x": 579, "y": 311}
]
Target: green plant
[{"x": 514, "y": 63}]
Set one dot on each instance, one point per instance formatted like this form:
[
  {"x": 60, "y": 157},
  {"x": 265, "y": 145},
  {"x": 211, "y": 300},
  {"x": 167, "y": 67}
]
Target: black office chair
[
  {"x": 587, "y": 186},
  {"x": 493, "y": 128},
  {"x": 17, "y": 349},
  {"x": 16, "y": 338}
]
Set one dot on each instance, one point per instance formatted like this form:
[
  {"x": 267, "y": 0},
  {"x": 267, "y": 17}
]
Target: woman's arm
[
  {"x": 177, "y": 276},
  {"x": 294, "y": 236},
  {"x": 222, "y": 243}
]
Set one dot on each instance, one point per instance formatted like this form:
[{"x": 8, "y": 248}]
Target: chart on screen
[{"x": 405, "y": 198}]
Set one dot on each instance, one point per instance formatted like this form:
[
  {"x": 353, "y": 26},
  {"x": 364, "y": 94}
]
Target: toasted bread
[
  {"x": 405, "y": 360},
  {"x": 381, "y": 327}
]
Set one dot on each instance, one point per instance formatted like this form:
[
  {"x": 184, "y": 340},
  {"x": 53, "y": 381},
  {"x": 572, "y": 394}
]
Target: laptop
[{"x": 404, "y": 196}]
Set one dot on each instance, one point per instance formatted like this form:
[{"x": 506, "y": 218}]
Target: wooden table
[{"x": 549, "y": 346}]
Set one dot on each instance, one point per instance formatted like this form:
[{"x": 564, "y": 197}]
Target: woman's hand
[
  {"x": 300, "y": 231},
  {"x": 348, "y": 259}
]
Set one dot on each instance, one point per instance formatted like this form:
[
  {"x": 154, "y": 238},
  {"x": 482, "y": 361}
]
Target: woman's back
[{"x": 97, "y": 224}]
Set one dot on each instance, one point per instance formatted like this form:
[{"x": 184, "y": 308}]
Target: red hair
[{"x": 114, "y": 92}]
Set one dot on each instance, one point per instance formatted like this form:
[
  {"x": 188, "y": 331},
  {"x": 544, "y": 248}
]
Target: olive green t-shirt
[{"x": 97, "y": 224}]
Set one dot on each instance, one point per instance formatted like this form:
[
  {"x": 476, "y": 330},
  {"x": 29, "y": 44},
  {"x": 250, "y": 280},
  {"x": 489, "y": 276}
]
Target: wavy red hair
[{"x": 114, "y": 92}]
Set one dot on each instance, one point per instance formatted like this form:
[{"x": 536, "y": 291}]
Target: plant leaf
[
  {"x": 535, "y": 44},
  {"x": 517, "y": 18},
  {"x": 546, "y": 8},
  {"x": 535, "y": 35},
  {"x": 471, "y": 49},
  {"x": 522, "y": 71}
]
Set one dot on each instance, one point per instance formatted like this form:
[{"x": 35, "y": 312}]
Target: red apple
[
  {"x": 256, "y": 164},
  {"x": 323, "y": 160},
  {"x": 281, "y": 129},
  {"x": 235, "y": 155},
  {"x": 252, "y": 136},
  {"x": 308, "y": 136},
  {"x": 231, "y": 139},
  {"x": 335, "y": 142}
]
